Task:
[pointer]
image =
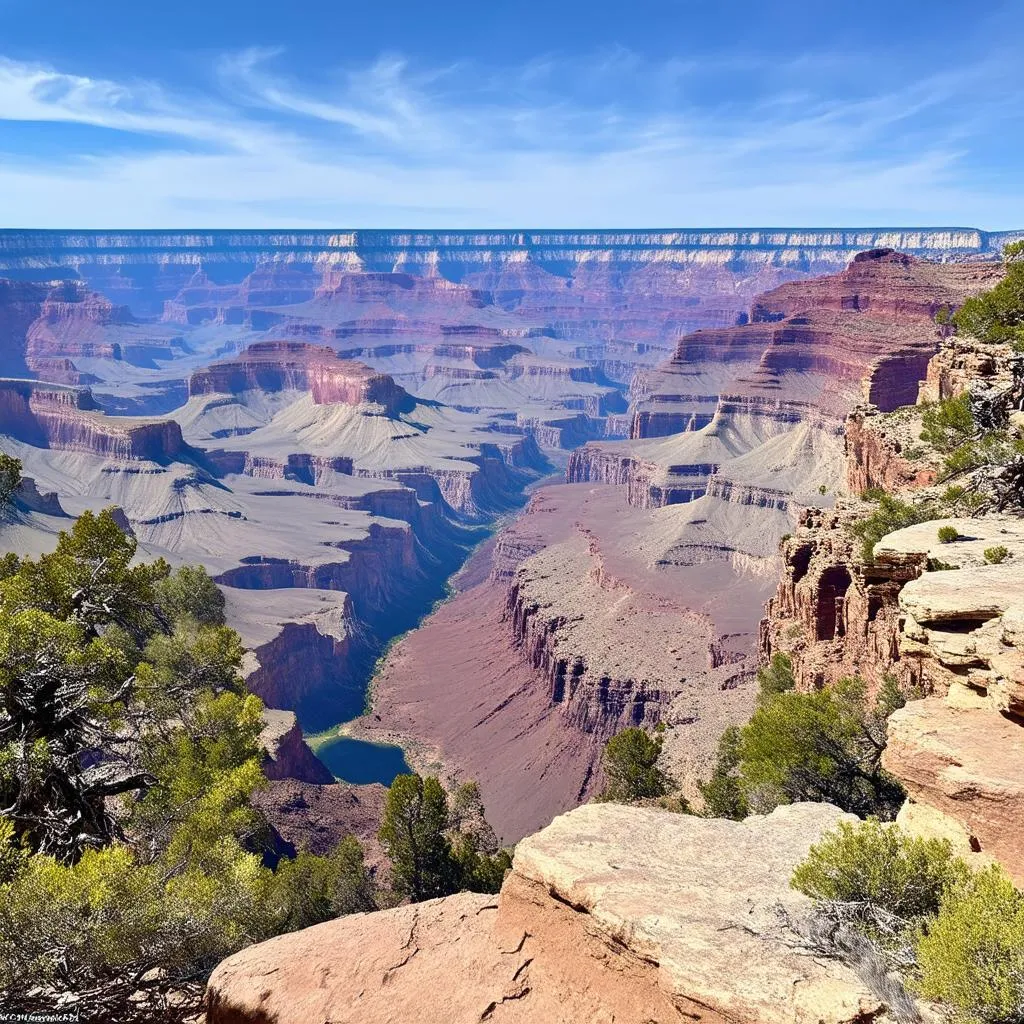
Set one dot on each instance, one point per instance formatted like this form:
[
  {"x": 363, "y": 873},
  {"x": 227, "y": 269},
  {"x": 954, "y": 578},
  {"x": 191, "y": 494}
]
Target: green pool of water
[{"x": 360, "y": 762}]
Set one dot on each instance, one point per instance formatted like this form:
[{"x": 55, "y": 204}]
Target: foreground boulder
[{"x": 612, "y": 913}]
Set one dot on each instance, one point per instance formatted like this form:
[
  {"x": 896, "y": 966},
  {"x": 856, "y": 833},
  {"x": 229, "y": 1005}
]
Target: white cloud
[{"x": 390, "y": 145}]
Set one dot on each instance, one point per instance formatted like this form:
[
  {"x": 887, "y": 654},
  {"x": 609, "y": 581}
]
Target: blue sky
[{"x": 534, "y": 114}]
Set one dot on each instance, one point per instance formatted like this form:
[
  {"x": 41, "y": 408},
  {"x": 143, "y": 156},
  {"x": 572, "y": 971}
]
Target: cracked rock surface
[{"x": 611, "y": 914}]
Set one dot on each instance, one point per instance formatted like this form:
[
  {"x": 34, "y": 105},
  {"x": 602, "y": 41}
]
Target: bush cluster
[
  {"x": 129, "y": 750},
  {"x": 437, "y": 847},
  {"x": 953, "y": 935},
  {"x": 821, "y": 746},
  {"x": 997, "y": 315}
]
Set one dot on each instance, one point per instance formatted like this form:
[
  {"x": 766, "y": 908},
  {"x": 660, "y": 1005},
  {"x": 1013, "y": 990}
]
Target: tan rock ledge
[
  {"x": 967, "y": 763},
  {"x": 915, "y": 543},
  {"x": 963, "y": 595},
  {"x": 612, "y": 913}
]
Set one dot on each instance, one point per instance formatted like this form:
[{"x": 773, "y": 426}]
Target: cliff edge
[{"x": 610, "y": 913}]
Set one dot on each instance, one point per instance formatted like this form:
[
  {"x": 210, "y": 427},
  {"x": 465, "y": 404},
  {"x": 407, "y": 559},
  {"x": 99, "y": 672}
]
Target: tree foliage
[
  {"x": 129, "y": 750},
  {"x": 631, "y": 767},
  {"x": 820, "y": 746},
  {"x": 10, "y": 477},
  {"x": 435, "y": 848},
  {"x": 92, "y": 668},
  {"x": 997, "y": 315},
  {"x": 724, "y": 795},
  {"x": 776, "y": 676},
  {"x": 412, "y": 832},
  {"x": 971, "y": 956},
  {"x": 947, "y": 424}
]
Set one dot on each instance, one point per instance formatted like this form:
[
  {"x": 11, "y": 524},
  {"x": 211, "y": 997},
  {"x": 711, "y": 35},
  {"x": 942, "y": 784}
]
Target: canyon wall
[
  {"x": 939, "y": 617},
  {"x": 675, "y": 534}
]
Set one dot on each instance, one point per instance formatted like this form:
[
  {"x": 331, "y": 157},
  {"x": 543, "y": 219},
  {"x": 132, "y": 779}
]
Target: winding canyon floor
[{"x": 464, "y": 693}]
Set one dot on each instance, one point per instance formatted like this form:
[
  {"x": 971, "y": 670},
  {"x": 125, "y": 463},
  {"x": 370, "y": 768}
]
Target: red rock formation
[
  {"x": 876, "y": 459},
  {"x": 316, "y": 817},
  {"x": 612, "y": 913},
  {"x": 833, "y": 615},
  {"x": 964, "y": 763},
  {"x": 20, "y": 303},
  {"x": 53, "y": 416},
  {"x": 286, "y": 755},
  {"x": 277, "y": 366}
]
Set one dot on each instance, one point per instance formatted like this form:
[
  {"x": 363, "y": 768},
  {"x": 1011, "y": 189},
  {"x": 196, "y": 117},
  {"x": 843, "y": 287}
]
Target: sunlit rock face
[{"x": 611, "y": 913}]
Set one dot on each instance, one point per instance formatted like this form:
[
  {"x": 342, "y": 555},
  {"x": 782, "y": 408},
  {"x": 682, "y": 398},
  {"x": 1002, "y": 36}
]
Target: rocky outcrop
[
  {"x": 279, "y": 366},
  {"x": 66, "y": 418},
  {"x": 876, "y": 457},
  {"x": 965, "y": 764},
  {"x": 609, "y": 913},
  {"x": 316, "y": 817},
  {"x": 286, "y": 755},
  {"x": 834, "y": 615},
  {"x": 941, "y": 617}
]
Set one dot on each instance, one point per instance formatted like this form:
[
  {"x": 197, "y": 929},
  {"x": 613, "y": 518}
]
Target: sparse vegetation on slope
[
  {"x": 998, "y": 314},
  {"x": 826, "y": 745}
]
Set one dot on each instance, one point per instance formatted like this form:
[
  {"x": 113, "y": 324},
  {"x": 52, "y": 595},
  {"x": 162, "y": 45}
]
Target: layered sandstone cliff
[
  {"x": 67, "y": 418},
  {"x": 295, "y": 366},
  {"x": 941, "y": 617}
]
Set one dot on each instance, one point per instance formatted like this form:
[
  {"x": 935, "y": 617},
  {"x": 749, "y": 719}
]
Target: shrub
[
  {"x": 631, "y": 767},
  {"x": 997, "y": 315},
  {"x": 972, "y": 955},
  {"x": 880, "y": 865},
  {"x": 776, "y": 676},
  {"x": 947, "y": 424},
  {"x": 948, "y": 534},
  {"x": 891, "y": 514},
  {"x": 821, "y": 746},
  {"x": 10, "y": 477},
  {"x": 997, "y": 554}
]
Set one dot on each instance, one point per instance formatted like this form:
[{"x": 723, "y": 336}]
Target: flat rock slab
[
  {"x": 702, "y": 899},
  {"x": 963, "y": 595},
  {"x": 611, "y": 914},
  {"x": 976, "y": 535}
]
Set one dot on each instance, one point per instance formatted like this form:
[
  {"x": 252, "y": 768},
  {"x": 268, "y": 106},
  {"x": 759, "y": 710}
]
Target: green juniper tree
[
  {"x": 631, "y": 766},
  {"x": 129, "y": 750}
]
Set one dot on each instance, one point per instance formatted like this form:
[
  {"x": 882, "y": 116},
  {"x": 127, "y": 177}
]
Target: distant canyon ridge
[{"x": 333, "y": 421}]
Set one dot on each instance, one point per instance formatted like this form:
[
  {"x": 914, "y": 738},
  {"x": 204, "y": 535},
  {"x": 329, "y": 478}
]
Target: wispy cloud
[{"x": 609, "y": 140}]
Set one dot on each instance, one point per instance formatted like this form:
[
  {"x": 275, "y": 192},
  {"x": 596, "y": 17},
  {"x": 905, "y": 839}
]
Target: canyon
[
  {"x": 673, "y": 534},
  {"x": 636, "y": 913},
  {"x": 494, "y": 497},
  {"x": 331, "y": 421}
]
